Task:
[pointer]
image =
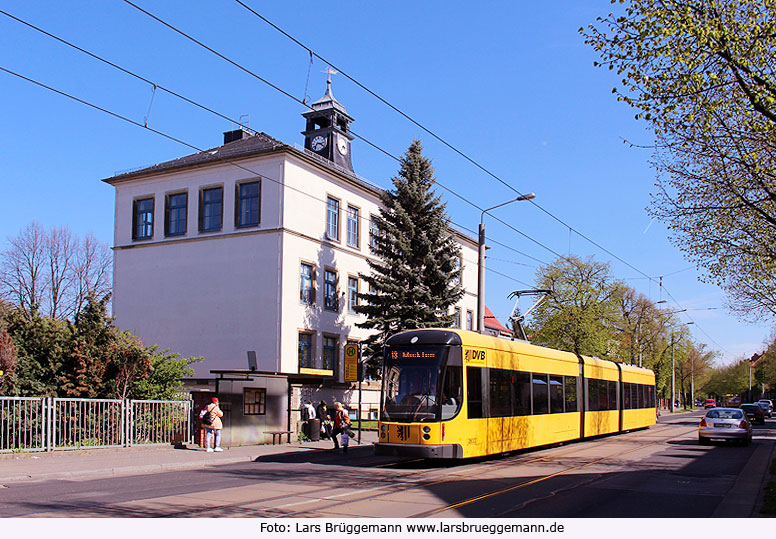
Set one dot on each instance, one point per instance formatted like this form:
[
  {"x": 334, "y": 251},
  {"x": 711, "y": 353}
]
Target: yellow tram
[{"x": 449, "y": 393}]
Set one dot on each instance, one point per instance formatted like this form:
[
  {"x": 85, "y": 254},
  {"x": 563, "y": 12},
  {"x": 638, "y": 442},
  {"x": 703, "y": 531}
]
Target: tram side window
[
  {"x": 626, "y": 396},
  {"x": 638, "y": 396},
  {"x": 570, "y": 389},
  {"x": 556, "y": 394},
  {"x": 593, "y": 387},
  {"x": 500, "y": 393},
  {"x": 521, "y": 389},
  {"x": 474, "y": 392},
  {"x": 540, "y": 394},
  {"x": 645, "y": 402},
  {"x": 651, "y": 396},
  {"x": 612, "y": 385},
  {"x": 603, "y": 395},
  {"x": 452, "y": 392}
]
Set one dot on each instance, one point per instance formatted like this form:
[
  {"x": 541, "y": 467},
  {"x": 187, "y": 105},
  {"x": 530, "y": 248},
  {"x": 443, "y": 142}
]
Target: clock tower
[{"x": 327, "y": 132}]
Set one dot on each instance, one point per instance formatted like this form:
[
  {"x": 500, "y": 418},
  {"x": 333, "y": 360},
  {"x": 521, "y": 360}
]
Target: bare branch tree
[
  {"x": 54, "y": 271},
  {"x": 92, "y": 271},
  {"x": 22, "y": 268},
  {"x": 60, "y": 251}
]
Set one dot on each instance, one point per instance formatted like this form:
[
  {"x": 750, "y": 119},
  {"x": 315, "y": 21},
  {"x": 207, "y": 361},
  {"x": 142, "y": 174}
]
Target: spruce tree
[{"x": 414, "y": 279}]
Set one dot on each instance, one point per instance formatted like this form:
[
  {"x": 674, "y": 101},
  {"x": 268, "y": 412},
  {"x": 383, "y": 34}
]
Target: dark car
[
  {"x": 767, "y": 406},
  {"x": 754, "y": 412}
]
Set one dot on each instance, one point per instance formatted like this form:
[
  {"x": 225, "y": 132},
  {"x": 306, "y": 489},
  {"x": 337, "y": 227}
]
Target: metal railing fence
[
  {"x": 159, "y": 422},
  {"x": 22, "y": 424},
  {"x": 49, "y": 423}
]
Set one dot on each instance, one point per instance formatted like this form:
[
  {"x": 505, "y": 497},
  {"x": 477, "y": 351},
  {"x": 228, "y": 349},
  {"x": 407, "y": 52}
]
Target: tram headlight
[
  {"x": 383, "y": 427},
  {"x": 426, "y": 436},
  {"x": 426, "y": 429}
]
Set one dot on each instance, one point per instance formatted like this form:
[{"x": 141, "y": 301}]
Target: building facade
[{"x": 249, "y": 255}]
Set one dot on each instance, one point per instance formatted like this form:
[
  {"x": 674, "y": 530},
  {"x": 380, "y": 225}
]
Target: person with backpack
[
  {"x": 341, "y": 426},
  {"x": 211, "y": 419}
]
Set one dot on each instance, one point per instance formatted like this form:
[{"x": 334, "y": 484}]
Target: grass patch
[
  {"x": 769, "y": 500},
  {"x": 370, "y": 424}
]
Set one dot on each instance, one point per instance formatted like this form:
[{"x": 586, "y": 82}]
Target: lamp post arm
[{"x": 481, "y": 260}]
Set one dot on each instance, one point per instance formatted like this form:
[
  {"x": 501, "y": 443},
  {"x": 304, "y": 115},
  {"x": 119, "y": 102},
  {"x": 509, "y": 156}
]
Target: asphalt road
[{"x": 657, "y": 472}]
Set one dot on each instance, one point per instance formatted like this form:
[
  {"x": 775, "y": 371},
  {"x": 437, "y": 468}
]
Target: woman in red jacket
[{"x": 215, "y": 426}]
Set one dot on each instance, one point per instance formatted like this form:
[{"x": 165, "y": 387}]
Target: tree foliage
[
  {"x": 729, "y": 380},
  {"x": 416, "y": 277},
  {"x": 580, "y": 314},
  {"x": 86, "y": 358},
  {"x": 701, "y": 72},
  {"x": 592, "y": 313}
]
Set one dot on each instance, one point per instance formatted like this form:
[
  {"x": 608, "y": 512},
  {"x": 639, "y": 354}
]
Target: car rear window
[{"x": 725, "y": 414}]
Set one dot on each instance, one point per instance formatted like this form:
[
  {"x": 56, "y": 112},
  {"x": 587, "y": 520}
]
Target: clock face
[
  {"x": 342, "y": 145},
  {"x": 318, "y": 143}
]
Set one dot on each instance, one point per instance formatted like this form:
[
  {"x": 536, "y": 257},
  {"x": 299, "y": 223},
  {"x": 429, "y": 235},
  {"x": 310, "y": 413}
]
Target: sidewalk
[{"x": 84, "y": 464}]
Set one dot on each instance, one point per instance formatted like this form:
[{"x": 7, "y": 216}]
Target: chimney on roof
[{"x": 237, "y": 134}]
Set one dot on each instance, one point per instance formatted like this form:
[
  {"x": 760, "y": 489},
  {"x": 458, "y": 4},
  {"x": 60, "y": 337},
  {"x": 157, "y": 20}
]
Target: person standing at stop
[{"x": 341, "y": 424}]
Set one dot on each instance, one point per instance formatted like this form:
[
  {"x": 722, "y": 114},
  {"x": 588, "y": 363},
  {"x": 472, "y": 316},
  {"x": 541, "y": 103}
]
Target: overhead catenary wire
[
  {"x": 301, "y": 102},
  {"x": 468, "y": 158},
  {"x": 441, "y": 140},
  {"x": 178, "y": 95},
  {"x": 180, "y": 141},
  {"x": 290, "y": 96}
]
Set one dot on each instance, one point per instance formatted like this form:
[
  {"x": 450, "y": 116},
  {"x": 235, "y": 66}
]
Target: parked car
[
  {"x": 767, "y": 406},
  {"x": 725, "y": 424},
  {"x": 710, "y": 403},
  {"x": 754, "y": 412}
]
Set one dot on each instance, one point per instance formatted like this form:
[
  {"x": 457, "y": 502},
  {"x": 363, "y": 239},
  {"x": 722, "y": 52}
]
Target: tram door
[{"x": 478, "y": 435}]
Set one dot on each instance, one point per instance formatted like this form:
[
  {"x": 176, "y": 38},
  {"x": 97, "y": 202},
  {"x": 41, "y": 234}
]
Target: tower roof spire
[{"x": 328, "y": 101}]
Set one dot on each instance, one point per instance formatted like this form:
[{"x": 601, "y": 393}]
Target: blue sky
[{"x": 511, "y": 84}]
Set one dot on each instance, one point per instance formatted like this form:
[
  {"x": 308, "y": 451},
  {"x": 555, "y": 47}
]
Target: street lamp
[
  {"x": 673, "y": 366},
  {"x": 673, "y": 360},
  {"x": 481, "y": 261}
]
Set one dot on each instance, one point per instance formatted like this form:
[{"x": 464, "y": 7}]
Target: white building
[{"x": 253, "y": 250}]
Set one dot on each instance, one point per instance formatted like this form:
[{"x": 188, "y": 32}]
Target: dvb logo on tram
[{"x": 472, "y": 355}]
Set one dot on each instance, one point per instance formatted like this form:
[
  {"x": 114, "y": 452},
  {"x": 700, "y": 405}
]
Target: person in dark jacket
[{"x": 323, "y": 414}]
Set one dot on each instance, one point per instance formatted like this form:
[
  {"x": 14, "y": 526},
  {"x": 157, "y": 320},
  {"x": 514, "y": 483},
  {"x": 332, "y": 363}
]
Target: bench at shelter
[{"x": 277, "y": 435}]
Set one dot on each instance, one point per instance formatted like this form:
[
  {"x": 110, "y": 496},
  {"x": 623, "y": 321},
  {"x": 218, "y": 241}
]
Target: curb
[
  {"x": 124, "y": 470},
  {"x": 194, "y": 460},
  {"x": 744, "y": 498}
]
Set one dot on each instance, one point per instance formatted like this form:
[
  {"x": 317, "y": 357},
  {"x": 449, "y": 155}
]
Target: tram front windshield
[{"x": 410, "y": 383}]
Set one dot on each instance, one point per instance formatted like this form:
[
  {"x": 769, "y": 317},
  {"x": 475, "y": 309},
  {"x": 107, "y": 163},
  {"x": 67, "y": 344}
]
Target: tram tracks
[
  {"x": 323, "y": 502},
  {"x": 524, "y": 484},
  {"x": 426, "y": 480}
]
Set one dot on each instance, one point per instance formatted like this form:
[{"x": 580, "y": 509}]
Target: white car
[{"x": 725, "y": 424}]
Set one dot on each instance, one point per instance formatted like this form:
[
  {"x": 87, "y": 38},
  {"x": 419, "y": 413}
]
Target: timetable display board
[{"x": 351, "y": 362}]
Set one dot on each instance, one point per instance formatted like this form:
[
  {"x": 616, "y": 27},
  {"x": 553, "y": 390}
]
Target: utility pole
[
  {"x": 692, "y": 381},
  {"x": 750, "y": 380},
  {"x": 481, "y": 260},
  {"x": 673, "y": 373}
]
